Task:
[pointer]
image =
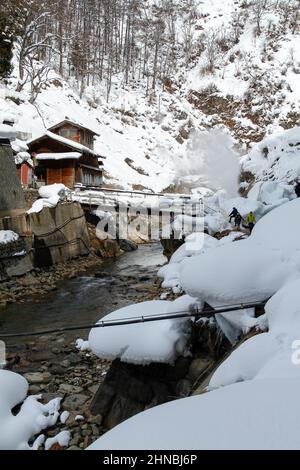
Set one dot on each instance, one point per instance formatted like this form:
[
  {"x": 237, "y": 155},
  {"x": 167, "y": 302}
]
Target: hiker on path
[
  {"x": 251, "y": 221},
  {"x": 237, "y": 220},
  {"x": 233, "y": 214}
]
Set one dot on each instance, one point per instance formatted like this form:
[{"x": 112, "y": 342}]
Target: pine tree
[{"x": 6, "y": 46}]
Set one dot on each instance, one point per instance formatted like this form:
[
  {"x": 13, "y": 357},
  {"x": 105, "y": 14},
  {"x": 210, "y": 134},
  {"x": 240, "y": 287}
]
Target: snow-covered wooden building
[{"x": 65, "y": 154}]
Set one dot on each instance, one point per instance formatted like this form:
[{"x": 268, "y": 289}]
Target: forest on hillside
[{"x": 93, "y": 40}]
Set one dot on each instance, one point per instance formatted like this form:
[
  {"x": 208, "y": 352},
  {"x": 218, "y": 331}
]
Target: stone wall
[
  {"x": 59, "y": 234},
  {"x": 12, "y": 200},
  {"x": 31, "y": 195},
  {"x": 52, "y": 236},
  {"x": 14, "y": 259}
]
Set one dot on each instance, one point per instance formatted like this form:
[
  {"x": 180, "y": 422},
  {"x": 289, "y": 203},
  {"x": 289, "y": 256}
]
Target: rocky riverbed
[
  {"x": 54, "y": 368},
  {"x": 41, "y": 281},
  {"x": 51, "y": 363}
]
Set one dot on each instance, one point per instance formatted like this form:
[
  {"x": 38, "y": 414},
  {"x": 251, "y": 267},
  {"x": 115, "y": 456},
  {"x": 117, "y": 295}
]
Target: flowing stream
[{"x": 86, "y": 299}]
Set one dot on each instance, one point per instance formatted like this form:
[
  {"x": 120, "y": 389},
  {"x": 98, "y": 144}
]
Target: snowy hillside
[
  {"x": 240, "y": 74},
  {"x": 275, "y": 158}
]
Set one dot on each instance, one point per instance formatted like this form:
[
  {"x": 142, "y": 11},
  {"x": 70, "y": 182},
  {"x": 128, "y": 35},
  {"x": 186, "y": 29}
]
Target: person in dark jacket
[
  {"x": 237, "y": 220},
  {"x": 233, "y": 214},
  {"x": 297, "y": 189}
]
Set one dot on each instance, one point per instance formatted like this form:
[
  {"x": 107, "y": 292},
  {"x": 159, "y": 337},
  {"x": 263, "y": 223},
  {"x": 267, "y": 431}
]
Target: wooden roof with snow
[
  {"x": 73, "y": 124},
  {"x": 63, "y": 141}
]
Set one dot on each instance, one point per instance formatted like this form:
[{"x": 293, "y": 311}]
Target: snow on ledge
[
  {"x": 58, "y": 156},
  {"x": 50, "y": 197}
]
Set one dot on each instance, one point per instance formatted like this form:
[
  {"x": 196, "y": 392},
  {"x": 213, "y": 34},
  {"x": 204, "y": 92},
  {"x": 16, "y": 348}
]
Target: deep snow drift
[{"x": 249, "y": 415}]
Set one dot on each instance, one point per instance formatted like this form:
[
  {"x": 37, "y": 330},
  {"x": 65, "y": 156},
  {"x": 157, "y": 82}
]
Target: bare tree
[
  {"x": 259, "y": 8},
  {"x": 211, "y": 50}
]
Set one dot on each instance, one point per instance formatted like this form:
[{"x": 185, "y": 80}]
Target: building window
[
  {"x": 91, "y": 179},
  {"x": 68, "y": 132}
]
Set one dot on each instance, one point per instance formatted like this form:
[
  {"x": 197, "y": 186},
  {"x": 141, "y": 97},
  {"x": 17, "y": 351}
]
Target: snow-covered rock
[
  {"x": 143, "y": 343},
  {"x": 63, "y": 438},
  {"x": 8, "y": 236},
  {"x": 195, "y": 244},
  {"x": 33, "y": 417},
  {"x": 270, "y": 355}
]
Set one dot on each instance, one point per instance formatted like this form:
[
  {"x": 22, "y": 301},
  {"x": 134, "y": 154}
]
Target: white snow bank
[
  {"x": 16, "y": 431},
  {"x": 256, "y": 404},
  {"x": 195, "y": 245},
  {"x": 143, "y": 343},
  {"x": 250, "y": 415},
  {"x": 271, "y": 192},
  {"x": 236, "y": 323},
  {"x": 252, "y": 269},
  {"x": 8, "y": 236},
  {"x": 50, "y": 196},
  {"x": 274, "y": 354}
]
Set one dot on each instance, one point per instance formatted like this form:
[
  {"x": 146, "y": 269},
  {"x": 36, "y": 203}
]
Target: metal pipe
[{"x": 136, "y": 320}]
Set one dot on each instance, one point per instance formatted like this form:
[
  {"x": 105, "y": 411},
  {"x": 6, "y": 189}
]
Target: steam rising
[{"x": 211, "y": 162}]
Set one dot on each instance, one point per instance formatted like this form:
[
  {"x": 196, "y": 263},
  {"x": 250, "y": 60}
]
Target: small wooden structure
[
  {"x": 65, "y": 154},
  {"x": 25, "y": 172}
]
